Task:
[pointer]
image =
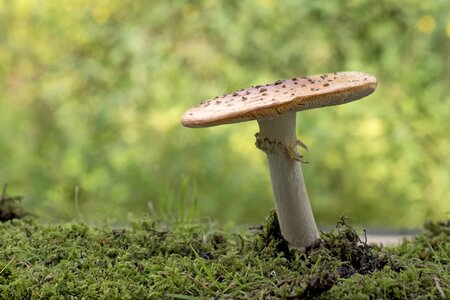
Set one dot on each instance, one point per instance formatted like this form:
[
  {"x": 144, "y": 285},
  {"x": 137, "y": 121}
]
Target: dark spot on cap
[
  {"x": 312, "y": 89},
  {"x": 244, "y": 98},
  {"x": 258, "y": 86},
  {"x": 218, "y": 102},
  {"x": 294, "y": 79},
  {"x": 216, "y": 97},
  {"x": 248, "y": 92},
  {"x": 235, "y": 94},
  {"x": 329, "y": 80},
  {"x": 295, "y": 82},
  {"x": 264, "y": 94},
  {"x": 334, "y": 77},
  {"x": 262, "y": 90},
  {"x": 278, "y": 82},
  {"x": 326, "y": 84},
  {"x": 283, "y": 86},
  {"x": 292, "y": 94},
  {"x": 303, "y": 85}
]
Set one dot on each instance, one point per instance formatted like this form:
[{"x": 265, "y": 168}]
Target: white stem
[{"x": 277, "y": 138}]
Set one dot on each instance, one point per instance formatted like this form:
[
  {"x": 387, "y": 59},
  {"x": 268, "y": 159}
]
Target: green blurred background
[{"x": 92, "y": 93}]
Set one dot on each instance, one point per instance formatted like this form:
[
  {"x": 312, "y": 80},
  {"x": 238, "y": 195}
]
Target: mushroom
[{"x": 274, "y": 106}]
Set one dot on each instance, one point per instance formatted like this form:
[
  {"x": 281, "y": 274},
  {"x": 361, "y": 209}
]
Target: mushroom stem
[{"x": 277, "y": 138}]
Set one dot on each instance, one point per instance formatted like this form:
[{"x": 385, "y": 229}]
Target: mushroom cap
[{"x": 271, "y": 100}]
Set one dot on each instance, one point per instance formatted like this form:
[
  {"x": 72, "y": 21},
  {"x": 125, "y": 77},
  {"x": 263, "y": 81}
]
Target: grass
[{"x": 153, "y": 260}]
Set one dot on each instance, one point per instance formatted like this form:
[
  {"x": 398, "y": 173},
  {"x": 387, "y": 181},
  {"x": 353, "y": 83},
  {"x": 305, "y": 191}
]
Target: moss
[
  {"x": 270, "y": 241},
  {"x": 151, "y": 260},
  {"x": 10, "y": 207}
]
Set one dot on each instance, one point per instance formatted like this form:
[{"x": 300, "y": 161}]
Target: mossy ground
[{"x": 151, "y": 260}]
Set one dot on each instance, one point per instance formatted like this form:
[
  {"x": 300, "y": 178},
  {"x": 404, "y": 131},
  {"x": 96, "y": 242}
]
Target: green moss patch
[{"x": 151, "y": 260}]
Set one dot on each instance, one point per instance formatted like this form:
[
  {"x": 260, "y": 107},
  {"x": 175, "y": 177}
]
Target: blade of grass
[
  {"x": 4, "y": 268},
  {"x": 436, "y": 256},
  {"x": 181, "y": 296},
  {"x": 205, "y": 268}
]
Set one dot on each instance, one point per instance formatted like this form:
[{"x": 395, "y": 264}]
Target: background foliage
[{"x": 92, "y": 93}]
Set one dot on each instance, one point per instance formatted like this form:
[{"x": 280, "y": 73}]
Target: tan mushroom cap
[{"x": 271, "y": 100}]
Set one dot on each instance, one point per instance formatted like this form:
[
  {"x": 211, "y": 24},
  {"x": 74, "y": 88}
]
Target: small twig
[
  {"x": 259, "y": 227},
  {"x": 438, "y": 286}
]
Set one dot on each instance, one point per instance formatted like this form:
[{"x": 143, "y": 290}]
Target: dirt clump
[
  {"x": 10, "y": 207},
  {"x": 337, "y": 254},
  {"x": 344, "y": 244}
]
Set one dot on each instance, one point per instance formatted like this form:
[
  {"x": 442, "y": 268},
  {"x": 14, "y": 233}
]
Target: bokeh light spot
[
  {"x": 371, "y": 128},
  {"x": 100, "y": 14},
  {"x": 448, "y": 29},
  {"x": 426, "y": 24}
]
